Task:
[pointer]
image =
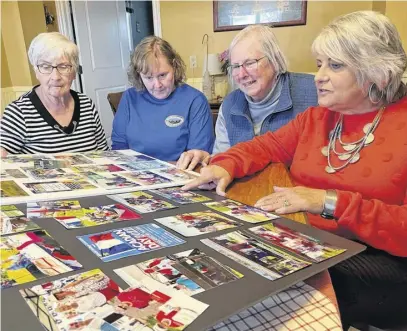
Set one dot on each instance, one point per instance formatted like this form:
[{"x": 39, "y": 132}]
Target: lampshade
[{"x": 214, "y": 65}]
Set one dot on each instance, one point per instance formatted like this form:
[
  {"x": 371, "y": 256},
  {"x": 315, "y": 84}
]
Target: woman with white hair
[
  {"x": 348, "y": 158},
  {"x": 52, "y": 118},
  {"x": 268, "y": 96}
]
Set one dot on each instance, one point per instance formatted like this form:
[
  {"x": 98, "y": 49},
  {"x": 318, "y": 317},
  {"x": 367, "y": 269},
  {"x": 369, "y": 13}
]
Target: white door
[{"x": 103, "y": 41}]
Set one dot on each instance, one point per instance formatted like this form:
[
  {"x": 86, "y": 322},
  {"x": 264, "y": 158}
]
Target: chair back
[{"x": 114, "y": 100}]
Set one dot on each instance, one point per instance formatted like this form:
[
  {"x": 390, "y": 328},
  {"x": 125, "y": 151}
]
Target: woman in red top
[{"x": 348, "y": 158}]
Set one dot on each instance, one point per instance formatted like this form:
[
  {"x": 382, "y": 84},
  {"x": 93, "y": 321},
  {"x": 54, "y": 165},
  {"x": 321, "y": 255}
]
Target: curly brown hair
[{"x": 148, "y": 50}]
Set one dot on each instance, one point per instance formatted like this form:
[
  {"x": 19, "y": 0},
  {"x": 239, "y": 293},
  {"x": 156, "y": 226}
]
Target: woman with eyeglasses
[
  {"x": 52, "y": 118},
  {"x": 348, "y": 160},
  {"x": 161, "y": 115},
  {"x": 268, "y": 96}
]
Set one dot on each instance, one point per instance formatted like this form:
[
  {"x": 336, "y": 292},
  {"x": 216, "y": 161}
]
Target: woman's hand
[
  {"x": 189, "y": 159},
  {"x": 287, "y": 200},
  {"x": 211, "y": 177}
]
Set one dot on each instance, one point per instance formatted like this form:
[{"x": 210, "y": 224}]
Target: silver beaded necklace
[{"x": 351, "y": 151}]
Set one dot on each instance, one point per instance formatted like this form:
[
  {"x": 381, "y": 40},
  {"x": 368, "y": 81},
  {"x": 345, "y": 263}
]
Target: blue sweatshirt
[{"x": 163, "y": 128}]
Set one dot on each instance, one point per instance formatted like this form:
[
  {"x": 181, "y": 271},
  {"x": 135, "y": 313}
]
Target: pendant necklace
[{"x": 351, "y": 151}]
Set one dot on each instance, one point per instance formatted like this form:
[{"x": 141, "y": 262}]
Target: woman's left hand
[{"x": 287, "y": 200}]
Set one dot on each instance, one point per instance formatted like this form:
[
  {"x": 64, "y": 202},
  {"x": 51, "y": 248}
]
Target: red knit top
[{"x": 372, "y": 193}]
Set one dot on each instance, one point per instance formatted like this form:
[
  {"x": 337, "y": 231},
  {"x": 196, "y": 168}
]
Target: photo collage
[{"x": 160, "y": 289}]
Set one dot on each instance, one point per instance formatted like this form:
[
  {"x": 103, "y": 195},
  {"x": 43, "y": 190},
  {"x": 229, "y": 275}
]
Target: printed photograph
[
  {"x": 92, "y": 301},
  {"x": 241, "y": 211},
  {"x": 179, "y": 196},
  {"x": 296, "y": 242},
  {"x": 268, "y": 261},
  {"x": 9, "y": 188},
  {"x": 142, "y": 202},
  {"x": 146, "y": 178},
  {"x": 29, "y": 256},
  {"x": 93, "y": 216},
  {"x": 195, "y": 224},
  {"x": 119, "y": 243},
  {"x": 190, "y": 272}
]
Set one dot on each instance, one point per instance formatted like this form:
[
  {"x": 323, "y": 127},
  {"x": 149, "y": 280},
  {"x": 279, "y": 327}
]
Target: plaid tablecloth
[{"x": 300, "y": 307}]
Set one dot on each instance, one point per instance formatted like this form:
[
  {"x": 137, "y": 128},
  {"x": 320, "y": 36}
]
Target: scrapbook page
[
  {"x": 92, "y": 301},
  {"x": 142, "y": 202},
  {"x": 96, "y": 168},
  {"x": 110, "y": 181},
  {"x": 12, "y": 220},
  {"x": 146, "y": 178},
  {"x": 94, "y": 216},
  {"x": 135, "y": 165},
  {"x": 175, "y": 174},
  {"x": 269, "y": 262},
  {"x": 179, "y": 196},
  {"x": 59, "y": 186},
  {"x": 119, "y": 243},
  {"x": 29, "y": 256},
  {"x": 296, "y": 242},
  {"x": 195, "y": 224},
  {"x": 9, "y": 188},
  {"x": 241, "y": 211},
  {"x": 73, "y": 159},
  {"x": 190, "y": 272},
  {"x": 55, "y": 208}
]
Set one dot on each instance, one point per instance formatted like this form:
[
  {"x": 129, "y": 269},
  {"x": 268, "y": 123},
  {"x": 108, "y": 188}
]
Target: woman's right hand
[
  {"x": 190, "y": 159},
  {"x": 211, "y": 176}
]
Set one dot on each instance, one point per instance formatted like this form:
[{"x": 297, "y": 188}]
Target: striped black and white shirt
[{"x": 28, "y": 128}]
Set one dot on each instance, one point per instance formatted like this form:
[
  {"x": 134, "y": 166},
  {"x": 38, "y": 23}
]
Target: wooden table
[{"x": 250, "y": 189}]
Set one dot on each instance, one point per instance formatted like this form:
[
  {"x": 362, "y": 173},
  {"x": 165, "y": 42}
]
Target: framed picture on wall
[{"x": 236, "y": 15}]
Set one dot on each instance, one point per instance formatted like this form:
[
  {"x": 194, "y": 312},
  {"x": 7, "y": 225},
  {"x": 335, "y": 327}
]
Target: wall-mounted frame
[{"x": 236, "y": 15}]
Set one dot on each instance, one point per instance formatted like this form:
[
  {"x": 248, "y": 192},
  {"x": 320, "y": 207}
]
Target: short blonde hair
[
  {"x": 369, "y": 44},
  {"x": 53, "y": 44},
  {"x": 144, "y": 55},
  {"x": 268, "y": 41}
]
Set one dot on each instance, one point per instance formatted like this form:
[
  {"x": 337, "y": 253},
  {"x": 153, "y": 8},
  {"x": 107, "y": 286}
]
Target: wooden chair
[{"x": 114, "y": 100}]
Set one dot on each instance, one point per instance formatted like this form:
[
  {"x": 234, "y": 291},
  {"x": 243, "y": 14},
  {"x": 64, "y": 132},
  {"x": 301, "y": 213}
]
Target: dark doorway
[{"x": 140, "y": 15}]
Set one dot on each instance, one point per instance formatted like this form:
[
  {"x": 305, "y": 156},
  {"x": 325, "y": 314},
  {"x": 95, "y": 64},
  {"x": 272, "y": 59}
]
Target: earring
[{"x": 370, "y": 93}]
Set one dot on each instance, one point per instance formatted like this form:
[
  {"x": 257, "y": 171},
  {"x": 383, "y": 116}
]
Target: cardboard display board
[{"x": 227, "y": 299}]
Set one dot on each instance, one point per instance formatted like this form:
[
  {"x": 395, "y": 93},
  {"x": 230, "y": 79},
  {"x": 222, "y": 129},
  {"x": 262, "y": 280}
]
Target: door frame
[{"x": 66, "y": 28}]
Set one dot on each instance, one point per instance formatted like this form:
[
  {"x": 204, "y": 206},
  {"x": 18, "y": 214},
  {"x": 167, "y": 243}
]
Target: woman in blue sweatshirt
[{"x": 161, "y": 115}]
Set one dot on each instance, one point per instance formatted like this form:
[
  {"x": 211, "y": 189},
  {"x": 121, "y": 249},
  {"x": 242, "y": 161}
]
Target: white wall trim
[
  {"x": 157, "y": 18},
  {"x": 66, "y": 28}
]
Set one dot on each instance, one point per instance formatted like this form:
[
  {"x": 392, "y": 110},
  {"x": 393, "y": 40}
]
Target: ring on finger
[{"x": 286, "y": 203}]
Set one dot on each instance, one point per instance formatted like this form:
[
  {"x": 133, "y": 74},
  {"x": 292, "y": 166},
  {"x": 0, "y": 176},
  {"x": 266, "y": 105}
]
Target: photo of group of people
[
  {"x": 142, "y": 202},
  {"x": 269, "y": 261},
  {"x": 92, "y": 301},
  {"x": 29, "y": 256},
  {"x": 195, "y": 224},
  {"x": 191, "y": 272}
]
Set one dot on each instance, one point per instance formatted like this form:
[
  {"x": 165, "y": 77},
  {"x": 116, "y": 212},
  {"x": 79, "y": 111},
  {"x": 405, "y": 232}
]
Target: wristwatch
[{"x": 329, "y": 204}]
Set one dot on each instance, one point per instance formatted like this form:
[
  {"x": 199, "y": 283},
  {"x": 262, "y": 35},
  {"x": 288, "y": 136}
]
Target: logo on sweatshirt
[{"x": 174, "y": 120}]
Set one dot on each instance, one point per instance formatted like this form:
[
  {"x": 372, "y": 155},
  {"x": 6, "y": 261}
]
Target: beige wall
[
  {"x": 32, "y": 23},
  {"x": 20, "y": 22},
  {"x": 5, "y": 73},
  {"x": 185, "y": 22},
  {"x": 396, "y": 11}
]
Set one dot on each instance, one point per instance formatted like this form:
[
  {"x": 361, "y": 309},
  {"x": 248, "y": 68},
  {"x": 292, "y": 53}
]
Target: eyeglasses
[
  {"x": 63, "y": 69},
  {"x": 249, "y": 66}
]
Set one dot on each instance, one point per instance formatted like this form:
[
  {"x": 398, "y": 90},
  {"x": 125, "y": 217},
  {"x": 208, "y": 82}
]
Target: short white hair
[
  {"x": 268, "y": 41},
  {"x": 53, "y": 44},
  {"x": 369, "y": 44}
]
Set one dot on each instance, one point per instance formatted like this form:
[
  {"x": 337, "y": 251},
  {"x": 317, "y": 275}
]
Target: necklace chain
[{"x": 352, "y": 149}]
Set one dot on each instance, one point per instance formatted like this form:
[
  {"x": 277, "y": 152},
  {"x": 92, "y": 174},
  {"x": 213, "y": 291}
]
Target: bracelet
[{"x": 329, "y": 204}]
